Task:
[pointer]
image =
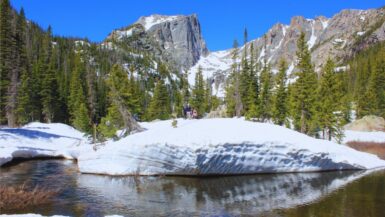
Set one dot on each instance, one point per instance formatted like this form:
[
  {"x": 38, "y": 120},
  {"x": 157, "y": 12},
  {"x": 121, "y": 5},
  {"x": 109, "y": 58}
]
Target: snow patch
[
  {"x": 313, "y": 37},
  {"x": 150, "y": 21},
  {"x": 351, "y": 136},
  {"x": 41, "y": 140},
  {"x": 325, "y": 24},
  {"x": 124, "y": 33}
]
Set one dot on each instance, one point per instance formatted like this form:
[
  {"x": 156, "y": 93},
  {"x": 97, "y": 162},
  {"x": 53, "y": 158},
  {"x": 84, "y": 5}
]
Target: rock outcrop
[
  {"x": 367, "y": 124},
  {"x": 176, "y": 39}
]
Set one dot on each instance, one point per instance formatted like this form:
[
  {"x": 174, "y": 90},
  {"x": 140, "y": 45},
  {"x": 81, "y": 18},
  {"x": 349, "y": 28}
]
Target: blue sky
[{"x": 221, "y": 20}]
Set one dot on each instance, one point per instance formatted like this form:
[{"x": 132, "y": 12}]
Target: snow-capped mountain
[
  {"x": 178, "y": 40},
  {"x": 337, "y": 37}
]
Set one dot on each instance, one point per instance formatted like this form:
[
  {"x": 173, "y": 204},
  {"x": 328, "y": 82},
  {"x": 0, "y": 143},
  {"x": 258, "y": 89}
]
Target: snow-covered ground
[
  {"x": 221, "y": 146},
  {"x": 358, "y": 136},
  {"x": 195, "y": 147},
  {"x": 41, "y": 140}
]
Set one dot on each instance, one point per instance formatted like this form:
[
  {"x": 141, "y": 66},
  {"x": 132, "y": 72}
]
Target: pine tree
[
  {"x": 233, "y": 95},
  {"x": 208, "y": 96},
  {"x": 110, "y": 124},
  {"x": 77, "y": 100},
  {"x": 253, "y": 103},
  {"x": 244, "y": 78},
  {"x": 265, "y": 95},
  {"x": 280, "y": 110},
  {"x": 160, "y": 107},
  {"x": 121, "y": 97},
  {"x": 329, "y": 106},
  {"x": 23, "y": 109},
  {"x": 375, "y": 93},
  {"x": 7, "y": 72},
  {"x": 304, "y": 90},
  {"x": 49, "y": 87},
  {"x": 198, "y": 100}
]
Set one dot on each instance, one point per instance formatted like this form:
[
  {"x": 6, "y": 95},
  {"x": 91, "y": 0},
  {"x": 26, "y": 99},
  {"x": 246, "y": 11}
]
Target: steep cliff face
[
  {"x": 177, "y": 39},
  {"x": 337, "y": 37}
]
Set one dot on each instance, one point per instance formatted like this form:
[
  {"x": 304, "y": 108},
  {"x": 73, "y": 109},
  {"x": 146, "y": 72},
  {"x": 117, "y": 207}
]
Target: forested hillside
[{"x": 55, "y": 79}]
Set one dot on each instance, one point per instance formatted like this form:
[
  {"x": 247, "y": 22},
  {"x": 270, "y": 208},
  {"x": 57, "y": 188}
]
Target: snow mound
[
  {"x": 41, "y": 140},
  {"x": 221, "y": 147}
]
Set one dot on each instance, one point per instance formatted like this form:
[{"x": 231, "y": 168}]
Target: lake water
[{"x": 351, "y": 194}]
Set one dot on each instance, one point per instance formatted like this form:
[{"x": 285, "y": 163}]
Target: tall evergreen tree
[
  {"x": 280, "y": 110},
  {"x": 233, "y": 94},
  {"x": 49, "y": 86},
  {"x": 329, "y": 106},
  {"x": 24, "y": 101},
  {"x": 304, "y": 90},
  {"x": 198, "y": 100},
  {"x": 7, "y": 72},
  {"x": 244, "y": 75},
  {"x": 160, "y": 107},
  {"x": 375, "y": 92},
  {"x": 253, "y": 104},
  {"x": 265, "y": 95},
  {"x": 77, "y": 100}
]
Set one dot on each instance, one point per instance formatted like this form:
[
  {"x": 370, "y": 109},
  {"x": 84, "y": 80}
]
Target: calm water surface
[{"x": 351, "y": 194}]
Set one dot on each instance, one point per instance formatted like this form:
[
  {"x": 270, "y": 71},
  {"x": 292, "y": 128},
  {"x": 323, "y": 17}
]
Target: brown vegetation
[
  {"x": 14, "y": 198},
  {"x": 376, "y": 148}
]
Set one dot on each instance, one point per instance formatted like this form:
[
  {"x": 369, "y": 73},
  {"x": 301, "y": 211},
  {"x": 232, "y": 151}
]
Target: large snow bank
[
  {"x": 221, "y": 146},
  {"x": 41, "y": 140}
]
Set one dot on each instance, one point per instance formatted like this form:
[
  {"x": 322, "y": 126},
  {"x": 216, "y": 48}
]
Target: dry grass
[
  {"x": 376, "y": 148},
  {"x": 14, "y": 198}
]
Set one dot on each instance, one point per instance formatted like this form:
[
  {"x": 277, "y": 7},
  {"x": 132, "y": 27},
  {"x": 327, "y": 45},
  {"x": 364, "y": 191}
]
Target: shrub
[
  {"x": 369, "y": 147},
  {"x": 19, "y": 197}
]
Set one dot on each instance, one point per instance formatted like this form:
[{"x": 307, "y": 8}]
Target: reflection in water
[{"x": 304, "y": 194}]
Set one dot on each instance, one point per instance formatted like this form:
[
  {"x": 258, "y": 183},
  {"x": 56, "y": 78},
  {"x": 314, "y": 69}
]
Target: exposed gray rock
[{"x": 179, "y": 38}]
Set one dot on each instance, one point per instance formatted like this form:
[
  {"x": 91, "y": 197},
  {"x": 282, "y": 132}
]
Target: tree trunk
[{"x": 130, "y": 124}]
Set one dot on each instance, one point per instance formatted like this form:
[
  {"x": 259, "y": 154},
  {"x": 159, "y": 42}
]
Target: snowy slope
[
  {"x": 41, "y": 140},
  {"x": 213, "y": 65},
  {"x": 149, "y": 21},
  {"x": 221, "y": 146}
]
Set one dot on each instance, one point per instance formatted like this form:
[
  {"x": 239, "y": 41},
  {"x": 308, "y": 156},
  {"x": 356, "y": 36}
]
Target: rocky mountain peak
[
  {"x": 179, "y": 38},
  {"x": 337, "y": 37}
]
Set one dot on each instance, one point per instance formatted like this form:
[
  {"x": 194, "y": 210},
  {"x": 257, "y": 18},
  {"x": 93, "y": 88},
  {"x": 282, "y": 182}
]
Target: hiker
[
  {"x": 187, "y": 111},
  {"x": 195, "y": 114}
]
